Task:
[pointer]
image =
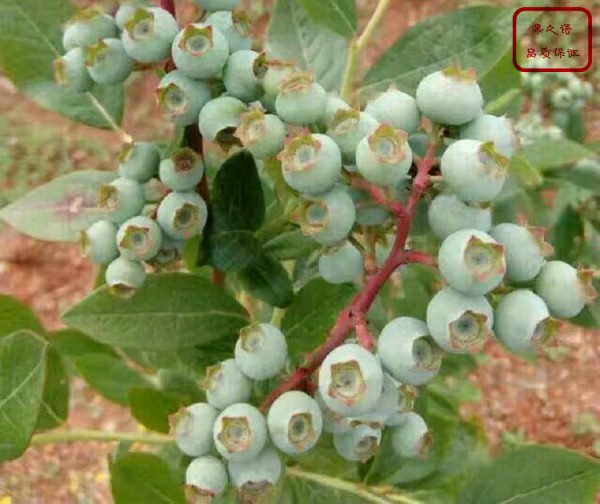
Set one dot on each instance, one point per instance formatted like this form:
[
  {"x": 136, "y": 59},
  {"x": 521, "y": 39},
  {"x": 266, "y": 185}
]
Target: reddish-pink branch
[
  {"x": 168, "y": 5},
  {"x": 354, "y": 316},
  {"x": 378, "y": 195}
]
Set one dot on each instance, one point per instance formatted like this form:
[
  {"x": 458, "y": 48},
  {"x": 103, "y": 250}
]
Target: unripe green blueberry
[
  {"x": 564, "y": 289},
  {"x": 206, "y": 478},
  {"x": 295, "y": 422},
  {"x": 139, "y": 238},
  {"x": 261, "y": 351},
  {"x": 99, "y": 242},
  {"x": 254, "y": 478},
  {"x": 240, "y": 432},
  {"x": 459, "y": 323},
  {"x": 406, "y": 400},
  {"x": 472, "y": 262},
  {"x": 412, "y": 437},
  {"x": 107, "y": 62},
  {"x": 333, "y": 422},
  {"x": 450, "y": 96},
  {"x": 301, "y": 101},
  {"x": 126, "y": 10},
  {"x": 148, "y": 34},
  {"x": 182, "y": 215},
  {"x": 334, "y": 105},
  {"x": 193, "y": 428},
  {"x": 329, "y": 219},
  {"x": 490, "y": 128},
  {"x": 235, "y": 27},
  {"x": 581, "y": 89},
  {"x": 87, "y": 27},
  {"x": 215, "y": 154},
  {"x": 200, "y": 51},
  {"x": 225, "y": 384},
  {"x": 262, "y": 134},
  {"x": 348, "y": 128},
  {"x": 124, "y": 276},
  {"x": 311, "y": 163},
  {"x": 368, "y": 212},
  {"x": 181, "y": 98},
  {"x": 350, "y": 380},
  {"x": 407, "y": 351},
  {"x": 139, "y": 161},
  {"x": 384, "y": 157},
  {"x": 243, "y": 73},
  {"x": 123, "y": 198},
  {"x": 358, "y": 444},
  {"x": 522, "y": 321},
  {"x": 218, "y": 5},
  {"x": 473, "y": 170},
  {"x": 397, "y": 109},
  {"x": 70, "y": 71},
  {"x": 168, "y": 254},
  {"x": 343, "y": 264},
  {"x": 277, "y": 72},
  {"x": 386, "y": 406},
  {"x": 220, "y": 117},
  {"x": 561, "y": 98},
  {"x": 448, "y": 214},
  {"x": 182, "y": 171},
  {"x": 524, "y": 249}
]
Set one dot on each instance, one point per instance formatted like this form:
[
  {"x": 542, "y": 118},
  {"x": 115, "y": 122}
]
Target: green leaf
[
  {"x": 291, "y": 245},
  {"x": 338, "y": 15},
  {"x": 72, "y": 343},
  {"x": 268, "y": 280},
  {"x": 501, "y": 87},
  {"x": 152, "y": 408},
  {"x": 418, "y": 284},
  {"x": 15, "y": 316},
  {"x": 313, "y": 313},
  {"x": 173, "y": 310},
  {"x": 535, "y": 475},
  {"x": 142, "y": 477},
  {"x": 22, "y": 372},
  {"x": 567, "y": 235},
  {"x": 54, "y": 408},
  {"x": 590, "y": 316},
  {"x": 30, "y": 40},
  {"x": 60, "y": 209},
  {"x": 476, "y": 37},
  {"x": 527, "y": 174},
  {"x": 230, "y": 250},
  {"x": 292, "y": 35},
  {"x": 557, "y": 153}
]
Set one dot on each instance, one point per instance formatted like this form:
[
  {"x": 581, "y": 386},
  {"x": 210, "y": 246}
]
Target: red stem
[
  {"x": 168, "y": 5},
  {"x": 355, "y": 314}
]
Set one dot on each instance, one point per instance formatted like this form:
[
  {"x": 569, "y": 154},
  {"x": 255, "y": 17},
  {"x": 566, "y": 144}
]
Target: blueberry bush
[{"x": 295, "y": 284}]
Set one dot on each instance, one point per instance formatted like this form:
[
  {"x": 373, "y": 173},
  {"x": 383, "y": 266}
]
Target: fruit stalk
[
  {"x": 169, "y": 6},
  {"x": 357, "y": 310}
]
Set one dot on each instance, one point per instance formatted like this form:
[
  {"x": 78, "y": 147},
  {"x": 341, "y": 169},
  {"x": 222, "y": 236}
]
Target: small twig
[
  {"x": 421, "y": 258},
  {"x": 364, "y": 336},
  {"x": 168, "y": 5}
]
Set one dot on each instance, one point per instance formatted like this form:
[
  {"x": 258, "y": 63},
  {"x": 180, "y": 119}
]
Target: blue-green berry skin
[
  {"x": 397, "y": 109},
  {"x": 350, "y": 132},
  {"x": 194, "y": 428},
  {"x": 261, "y": 351},
  {"x": 140, "y": 162},
  {"x": 113, "y": 66},
  {"x": 127, "y": 199},
  {"x": 295, "y": 422},
  {"x": 450, "y": 322},
  {"x": 368, "y": 213},
  {"x": 144, "y": 247},
  {"x": 350, "y": 380},
  {"x": 334, "y": 105},
  {"x": 407, "y": 352},
  {"x": 447, "y": 100},
  {"x": 302, "y": 107},
  {"x": 409, "y": 439},
  {"x": 333, "y": 422},
  {"x": 176, "y": 202},
  {"x": 520, "y": 320},
  {"x": 178, "y": 180},
  {"x": 201, "y": 66},
  {"x": 71, "y": 71},
  {"x": 490, "y": 128},
  {"x": 154, "y": 44},
  {"x": 473, "y": 273},
  {"x": 524, "y": 255},
  {"x": 100, "y": 242},
  {"x": 339, "y": 217},
  {"x": 447, "y": 214},
  {"x": 255, "y": 438},
  {"x": 559, "y": 285},
  {"x": 240, "y": 78},
  {"x": 169, "y": 253},
  {"x": 220, "y": 114},
  {"x": 276, "y": 73},
  {"x": 218, "y": 5},
  {"x": 386, "y": 406},
  {"x": 472, "y": 179},
  {"x": 343, "y": 265},
  {"x": 85, "y": 32},
  {"x": 264, "y": 470},
  {"x": 207, "y": 475},
  {"x": 125, "y": 274},
  {"x": 236, "y": 39},
  {"x": 272, "y": 142},
  {"x": 126, "y": 10},
  {"x": 189, "y": 96},
  {"x": 351, "y": 445},
  {"x": 326, "y": 169},
  {"x": 227, "y": 385},
  {"x": 561, "y": 99}
]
